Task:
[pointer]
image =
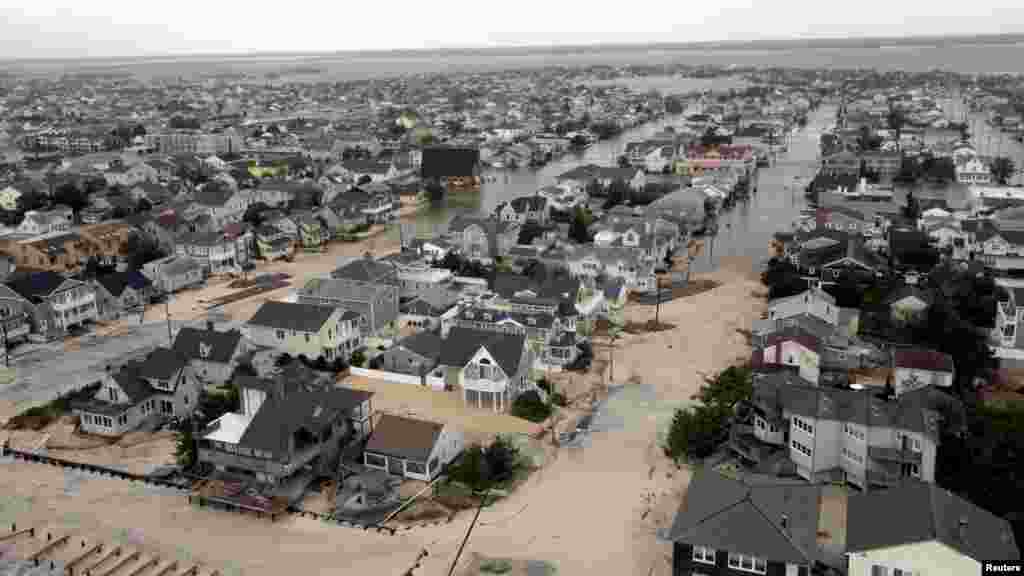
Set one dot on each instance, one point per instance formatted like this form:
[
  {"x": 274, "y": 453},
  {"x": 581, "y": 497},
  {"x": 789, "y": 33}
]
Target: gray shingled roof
[
  {"x": 426, "y": 344},
  {"x": 728, "y": 515},
  {"x": 222, "y": 344},
  {"x": 364, "y": 270},
  {"x": 292, "y": 316},
  {"x": 404, "y": 437},
  {"x": 462, "y": 343},
  {"x": 921, "y": 512},
  {"x": 280, "y": 417}
]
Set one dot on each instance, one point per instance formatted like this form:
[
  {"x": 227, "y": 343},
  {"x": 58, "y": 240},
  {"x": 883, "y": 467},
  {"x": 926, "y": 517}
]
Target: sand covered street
[{"x": 593, "y": 507}]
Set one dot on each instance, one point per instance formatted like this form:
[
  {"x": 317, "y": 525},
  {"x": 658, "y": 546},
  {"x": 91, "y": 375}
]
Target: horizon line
[{"x": 769, "y": 43}]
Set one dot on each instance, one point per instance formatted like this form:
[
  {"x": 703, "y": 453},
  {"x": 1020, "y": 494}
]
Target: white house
[
  {"x": 412, "y": 448},
  {"x": 917, "y": 368},
  {"x": 973, "y": 171},
  {"x": 814, "y": 301},
  {"x": 922, "y": 529},
  {"x": 490, "y": 368}
]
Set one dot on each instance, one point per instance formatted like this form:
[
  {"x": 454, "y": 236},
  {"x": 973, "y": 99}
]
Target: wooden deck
[{"x": 238, "y": 495}]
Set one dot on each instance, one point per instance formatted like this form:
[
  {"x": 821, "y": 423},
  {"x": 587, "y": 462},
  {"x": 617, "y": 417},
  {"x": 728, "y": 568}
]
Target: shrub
[
  {"x": 502, "y": 457},
  {"x": 559, "y": 399},
  {"x": 696, "y": 432},
  {"x": 529, "y": 406},
  {"x": 480, "y": 468},
  {"x": 358, "y": 358},
  {"x": 544, "y": 385},
  {"x": 492, "y": 566}
]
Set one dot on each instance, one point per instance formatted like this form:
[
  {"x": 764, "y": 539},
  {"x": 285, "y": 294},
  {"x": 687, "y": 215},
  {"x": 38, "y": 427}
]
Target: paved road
[{"x": 43, "y": 372}]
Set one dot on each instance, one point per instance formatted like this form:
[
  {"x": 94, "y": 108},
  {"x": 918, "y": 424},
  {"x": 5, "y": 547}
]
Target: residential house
[
  {"x": 423, "y": 314},
  {"x": 416, "y": 278},
  {"x": 592, "y": 262},
  {"x": 306, "y": 329},
  {"x": 161, "y": 387},
  {"x": 926, "y": 530},
  {"x": 908, "y": 303},
  {"x": 18, "y": 315},
  {"x": 375, "y": 170},
  {"x": 60, "y": 251},
  {"x": 726, "y": 526},
  {"x": 58, "y": 303},
  {"x": 524, "y": 209},
  {"x": 973, "y": 171},
  {"x": 213, "y": 250},
  {"x": 120, "y": 292},
  {"x": 545, "y": 333},
  {"x": 490, "y": 368},
  {"x": 412, "y": 448},
  {"x": 917, "y": 368},
  {"x": 814, "y": 301},
  {"x": 1009, "y": 317},
  {"x": 273, "y": 244},
  {"x": 174, "y": 273},
  {"x": 156, "y": 194},
  {"x": 284, "y": 426},
  {"x": 311, "y": 235},
  {"x": 221, "y": 203},
  {"x": 415, "y": 355},
  {"x": 858, "y": 436},
  {"x": 37, "y": 223},
  {"x": 245, "y": 242},
  {"x": 793, "y": 347},
  {"x": 109, "y": 242},
  {"x": 1000, "y": 249},
  {"x": 213, "y": 354},
  {"x": 128, "y": 176},
  {"x": 375, "y": 305},
  {"x": 374, "y": 201}
]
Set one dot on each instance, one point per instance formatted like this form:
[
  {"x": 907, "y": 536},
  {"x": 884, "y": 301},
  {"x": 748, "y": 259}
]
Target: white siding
[{"x": 927, "y": 558}]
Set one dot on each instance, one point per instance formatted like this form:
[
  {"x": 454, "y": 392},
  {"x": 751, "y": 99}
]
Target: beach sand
[{"x": 593, "y": 509}]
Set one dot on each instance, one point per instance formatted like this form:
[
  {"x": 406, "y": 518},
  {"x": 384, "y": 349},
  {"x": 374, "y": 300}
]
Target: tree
[
  {"x": 364, "y": 179},
  {"x": 358, "y": 358},
  {"x": 529, "y": 406},
  {"x": 142, "y": 249},
  {"x": 503, "y": 459},
  {"x": 528, "y": 232},
  {"x": 728, "y": 387},
  {"x": 912, "y": 209},
  {"x": 185, "y": 451},
  {"x": 579, "y": 227},
  {"x": 1002, "y": 169},
  {"x": 695, "y": 432},
  {"x": 782, "y": 278},
  {"x": 622, "y": 161},
  {"x": 896, "y": 120},
  {"x": 254, "y": 213},
  {"x": 472, "y": 469},
  {"x": 71, "y": 196},
  {"x": 618, "y": 193}
]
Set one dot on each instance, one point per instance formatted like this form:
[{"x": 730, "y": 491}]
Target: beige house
[
  {"x": 922, "y": 529},
  {"x": 490, "y": 368},
  {"x": 411, "y": 448},
  {"x": 305, "y": 329}
]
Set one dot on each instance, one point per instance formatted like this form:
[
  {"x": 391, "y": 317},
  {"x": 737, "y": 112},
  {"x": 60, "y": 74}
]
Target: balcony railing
[{"x": 889, "y": 454}]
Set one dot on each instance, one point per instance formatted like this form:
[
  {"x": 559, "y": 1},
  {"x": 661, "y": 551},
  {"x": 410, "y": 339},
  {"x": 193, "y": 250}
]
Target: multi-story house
[
  {"x": 37, "y": 223},
  {"x": 924, "y": 529},
  {"x": 630, "y": 233},
  {"x": 17, "y": 314},
  {"x": 524, "y": 209},
  {"x": 120, "y": 292},
  {"x": 285, "y": 426},
  {"x": 814, "y": 301},
  {"x": 483, "y": 239},
  {"x": 416, "y": 278},
  {"x": 58, "y": 303},
  {"x": 973, "y": 171},
  {"x": 375, "y": 304},
  {"x": 213, "y": 354},
  {"x": 374, "y": 201},
  {"x": 216, "y": 253},
  {"x": 375, "y": 170},
  {"x": 130, "y": 176},
  {"x": 160, "y": 387},
  {"x": 273, "y": 243},
  {"x": 730, "y": 527},
  {"x": 306, "y": 329},
  {"x": 591, "y": 262},
  {"x": 490, "y": 368},
  {"x": 109, "y": 241},
  {"x": 791, "y": 347},
  {"x": 849, "y": 435},
  {"x": 222, "y": 204},
  {"x": 173, "y": 273},
  {"x": 1001, "y": 249},
  {"x": 545, "y": 332}
]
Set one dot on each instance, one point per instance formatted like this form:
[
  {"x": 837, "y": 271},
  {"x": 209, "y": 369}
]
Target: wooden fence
[{"x": 6, "y": 450}]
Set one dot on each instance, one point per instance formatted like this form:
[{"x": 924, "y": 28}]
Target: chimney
[
  {"x": 209, "y": 325},
  {"x": 963, "y": 528}
]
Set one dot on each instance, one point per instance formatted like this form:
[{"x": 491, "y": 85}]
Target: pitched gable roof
[
  {"x": 729, "y": 515},
  {"x": 426, "y": 344},
  {"x": 922, "y": 512},
  {"x": 282, "y": 415},
  {"x": 220, "y": 346},
  {"x": 404, "y": 437},
  {"x": 462, "y": 343},
  {"x": 291, "y": 316},
  {"x": 116, "y": 282}
]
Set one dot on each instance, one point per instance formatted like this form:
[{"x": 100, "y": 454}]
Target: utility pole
[
  {"x": 7, "y": 351},
  {"x": 167, "y": 312}
]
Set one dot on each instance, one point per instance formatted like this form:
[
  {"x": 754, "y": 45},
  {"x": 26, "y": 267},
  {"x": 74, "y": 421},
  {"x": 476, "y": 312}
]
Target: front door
[{"x": 396, "y": 466}]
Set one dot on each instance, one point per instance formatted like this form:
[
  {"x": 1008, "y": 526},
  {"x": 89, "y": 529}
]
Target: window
[
  {"x": 900, "y": 572},
  {"x": 307, "y": 338},
  {"x": 803, "y": 425},
  {"x": 375, "y": 460},
  {"x": 799, "y": 447},
  {"x": 853, "y": 456},
  {"x": 747, "y": 563},
  {"x": 853, "y": 432},
  {"x": 910, "y": 469},
  {"x": 112, "y": 392},
  {"x": 280, "y": 334},
  {"x": 877, "y": 570},
  {"x": 704, "y": 554},
  {"x": 415, "y": 467}
]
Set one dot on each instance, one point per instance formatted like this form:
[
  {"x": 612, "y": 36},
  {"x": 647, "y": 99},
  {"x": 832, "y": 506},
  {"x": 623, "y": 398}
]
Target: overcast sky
[{"x": 105, "y": 28}]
